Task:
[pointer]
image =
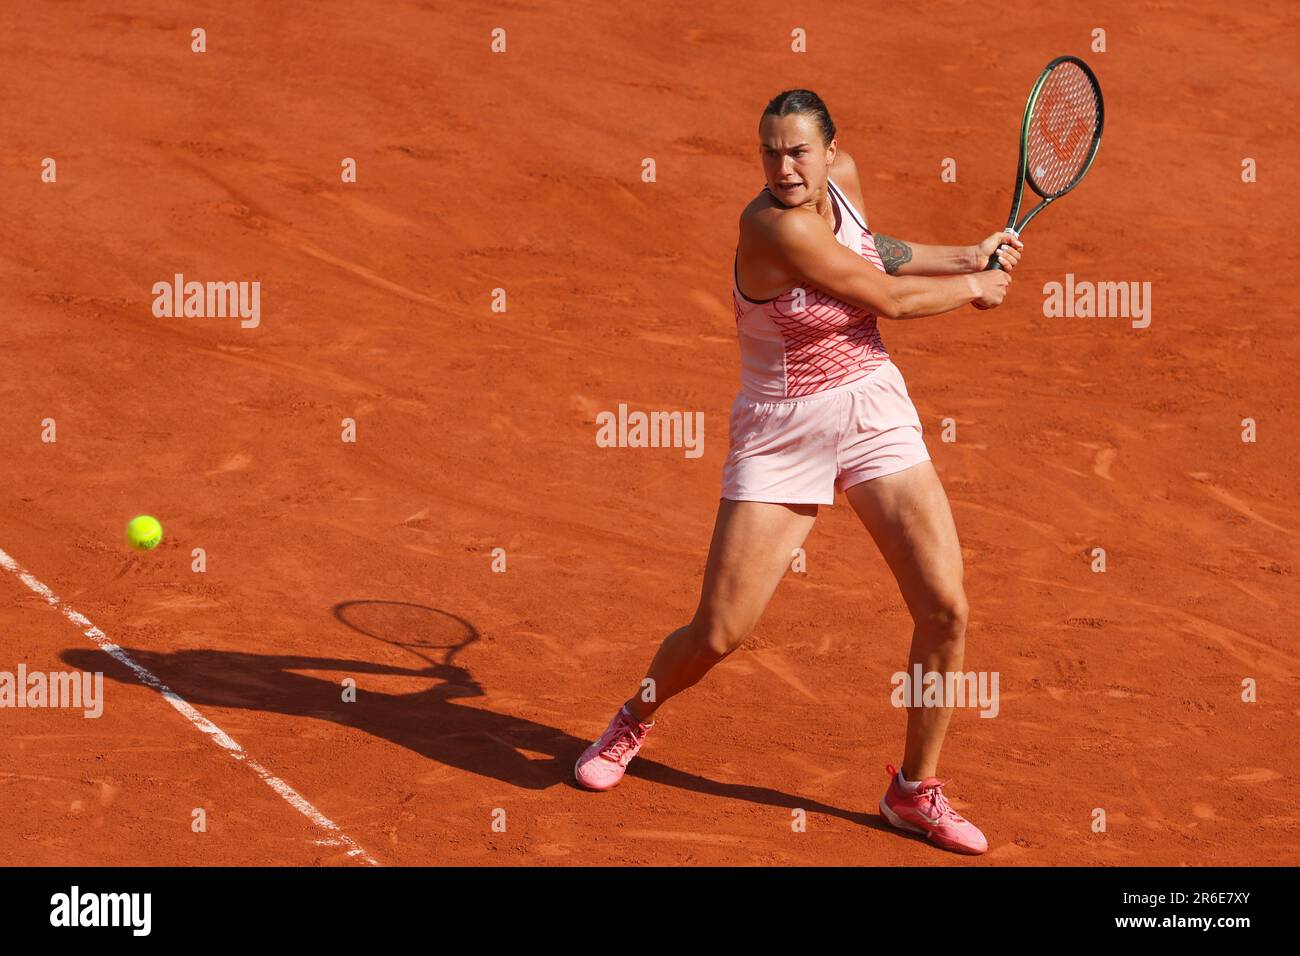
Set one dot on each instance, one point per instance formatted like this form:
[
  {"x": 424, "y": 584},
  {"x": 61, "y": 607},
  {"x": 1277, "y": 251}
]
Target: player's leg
[
  {"x": 753, "y": 543},
  {"x": 907, "y": 514},
  {"x": 751, "y": 551}
]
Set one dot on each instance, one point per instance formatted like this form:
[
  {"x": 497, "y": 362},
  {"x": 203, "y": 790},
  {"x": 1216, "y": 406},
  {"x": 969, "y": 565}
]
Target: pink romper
[{"x": 821, "y": 406}]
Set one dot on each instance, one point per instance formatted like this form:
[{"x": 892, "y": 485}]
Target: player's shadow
[{"x": 429, "y": 719}]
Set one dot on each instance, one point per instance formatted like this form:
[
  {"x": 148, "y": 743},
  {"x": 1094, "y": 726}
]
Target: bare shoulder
[
  {"x": 766, "y": 221},
  {"x": 763, "y": 208},
  {"x": 844, "y": 165},
  {"x": 845, "y": 173}
]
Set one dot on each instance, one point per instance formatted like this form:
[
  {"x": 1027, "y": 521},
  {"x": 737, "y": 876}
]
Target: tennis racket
[{"x": 1059, "y": 137}]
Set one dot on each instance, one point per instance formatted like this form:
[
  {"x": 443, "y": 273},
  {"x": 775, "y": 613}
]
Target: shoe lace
[
  {"x": 623, "y": 742},
  {"x": 939, "y": 806}
]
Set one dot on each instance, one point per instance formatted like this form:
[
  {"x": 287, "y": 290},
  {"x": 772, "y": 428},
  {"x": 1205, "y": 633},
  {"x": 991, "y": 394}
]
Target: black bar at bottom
[{"x": 442, "y": 906}]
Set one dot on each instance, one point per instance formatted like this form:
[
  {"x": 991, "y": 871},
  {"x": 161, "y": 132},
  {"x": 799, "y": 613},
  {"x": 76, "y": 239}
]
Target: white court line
[{"x": 218, "y": 736}]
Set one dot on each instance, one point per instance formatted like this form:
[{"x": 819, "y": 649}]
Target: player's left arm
[
  {"x": 915, "y": 259},
  {"x": 903, "y": 258}
]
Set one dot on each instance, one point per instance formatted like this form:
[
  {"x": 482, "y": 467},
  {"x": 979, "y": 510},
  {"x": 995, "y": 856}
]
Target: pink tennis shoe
[
  {"x": 603, "y": 764},
  {"x": 926, "y": 811}
]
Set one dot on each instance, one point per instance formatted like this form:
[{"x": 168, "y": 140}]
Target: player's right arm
[{"x": 799, "y": 239}]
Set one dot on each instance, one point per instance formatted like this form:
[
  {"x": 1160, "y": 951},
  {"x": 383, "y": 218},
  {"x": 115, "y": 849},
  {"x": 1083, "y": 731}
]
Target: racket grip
[{"x": 993, "y": 263}]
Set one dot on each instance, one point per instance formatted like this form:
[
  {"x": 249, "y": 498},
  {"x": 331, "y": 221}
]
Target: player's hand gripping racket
[{"x": 1059, "y": 137}]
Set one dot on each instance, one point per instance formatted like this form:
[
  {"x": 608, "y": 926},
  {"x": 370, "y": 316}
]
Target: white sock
[
  {"x": 906, "y": 785},
  {"x": 630, "y": 717}
]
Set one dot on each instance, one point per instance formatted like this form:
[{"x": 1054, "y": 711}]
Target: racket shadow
[{"x": 444, "y": 717}]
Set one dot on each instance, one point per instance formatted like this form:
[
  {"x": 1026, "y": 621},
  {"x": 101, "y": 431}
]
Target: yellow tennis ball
[{"x": 143, "y": 532}]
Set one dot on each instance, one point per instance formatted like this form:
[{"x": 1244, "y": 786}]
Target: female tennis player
[{"x": 823, "y": 409}]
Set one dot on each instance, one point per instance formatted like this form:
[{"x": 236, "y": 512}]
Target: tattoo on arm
[{"x": 894, "y": 253}]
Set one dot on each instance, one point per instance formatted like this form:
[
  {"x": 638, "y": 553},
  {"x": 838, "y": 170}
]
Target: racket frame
[{"x": 1022, "y": 174}]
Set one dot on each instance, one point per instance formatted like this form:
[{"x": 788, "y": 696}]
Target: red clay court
[{"x": 521, "y": 171}]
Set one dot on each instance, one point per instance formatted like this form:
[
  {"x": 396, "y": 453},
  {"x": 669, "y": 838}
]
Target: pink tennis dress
[{"x": 821, "y": 406}]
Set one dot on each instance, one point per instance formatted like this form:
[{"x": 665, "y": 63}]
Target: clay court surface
[{"x": 476, "y": 431}]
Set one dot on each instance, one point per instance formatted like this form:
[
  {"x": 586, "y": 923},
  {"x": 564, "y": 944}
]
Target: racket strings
[{"x": 1061, "y": 129}]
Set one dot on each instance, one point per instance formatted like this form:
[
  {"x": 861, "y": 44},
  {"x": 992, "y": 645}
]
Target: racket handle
[{"x": 1011, "y": 228}]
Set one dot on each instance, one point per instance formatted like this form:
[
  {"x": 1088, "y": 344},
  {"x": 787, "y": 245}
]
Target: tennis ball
[{"x": 143, "y": 532}]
